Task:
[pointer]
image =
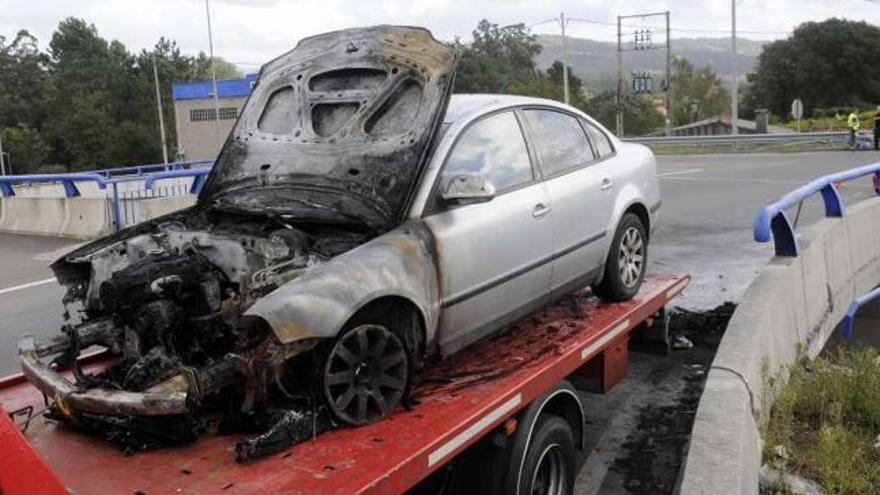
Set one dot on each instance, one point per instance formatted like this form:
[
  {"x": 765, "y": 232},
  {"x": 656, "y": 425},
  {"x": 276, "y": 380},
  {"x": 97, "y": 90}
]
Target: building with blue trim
[{"x": 195, "y": 116}]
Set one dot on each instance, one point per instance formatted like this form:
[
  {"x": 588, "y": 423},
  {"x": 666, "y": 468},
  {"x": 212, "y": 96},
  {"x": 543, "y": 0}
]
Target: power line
[{"x": 681, "y": 30}]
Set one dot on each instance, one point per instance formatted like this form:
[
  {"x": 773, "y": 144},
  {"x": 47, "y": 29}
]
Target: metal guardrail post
[{"x": 116, "y": 218}]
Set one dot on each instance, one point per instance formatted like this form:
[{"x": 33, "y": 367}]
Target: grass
[{"x": 827, "y": 418}]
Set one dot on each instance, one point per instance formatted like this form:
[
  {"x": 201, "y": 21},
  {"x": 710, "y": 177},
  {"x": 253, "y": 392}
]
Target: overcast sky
[{"x": 251, "y": 32}]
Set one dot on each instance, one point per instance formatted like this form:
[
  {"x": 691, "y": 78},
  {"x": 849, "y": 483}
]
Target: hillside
[{"x": 597, "y": 60}]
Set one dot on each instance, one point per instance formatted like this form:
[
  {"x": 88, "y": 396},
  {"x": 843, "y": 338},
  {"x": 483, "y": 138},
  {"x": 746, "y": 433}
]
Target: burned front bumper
[
  {"x": 179, "y": 394},
  {"x": 167, "y": 398}
]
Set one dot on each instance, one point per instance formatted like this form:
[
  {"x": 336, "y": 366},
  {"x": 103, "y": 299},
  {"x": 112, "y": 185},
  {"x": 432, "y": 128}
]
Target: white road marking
[
  {"x": 475, "y": 429},
  {"x": 680, "y": 172},
  {"x": 27, "y": 286},
  {"x": 608, "y": 337}
]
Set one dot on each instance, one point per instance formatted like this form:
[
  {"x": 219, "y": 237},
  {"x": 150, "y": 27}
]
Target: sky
[{"x": 249, "y": 33}]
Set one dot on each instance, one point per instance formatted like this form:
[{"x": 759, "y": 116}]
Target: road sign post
[{"x": 797, "y": 111}]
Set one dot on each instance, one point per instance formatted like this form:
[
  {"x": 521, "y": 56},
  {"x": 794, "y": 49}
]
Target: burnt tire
[
  {"x": 365, "y": 374},
  {"x": 548, "y": 467},
  {"x": 627, "y": 261}
]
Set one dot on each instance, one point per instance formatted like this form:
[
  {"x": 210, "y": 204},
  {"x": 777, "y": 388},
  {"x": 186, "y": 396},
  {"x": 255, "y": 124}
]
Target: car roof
[{"x": 464, "y": 106}]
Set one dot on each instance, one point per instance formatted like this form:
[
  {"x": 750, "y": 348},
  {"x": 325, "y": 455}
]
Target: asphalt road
[{"x": 709, "y": 205}]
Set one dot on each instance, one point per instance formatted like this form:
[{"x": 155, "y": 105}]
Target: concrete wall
[{"x": 794, "y": 302}]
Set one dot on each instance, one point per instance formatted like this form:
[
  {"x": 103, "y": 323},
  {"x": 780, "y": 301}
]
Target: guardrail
[
  {"x": 849, "y": 320},
  {"x": 741, "y": 138},
  {"x": 772, "y": 219},
  {"x": 149, "y": 168},
  {"x": 66, "y": 180},
  {"x": 125, "y": 205},
  {"x": 200, "y": 176}
]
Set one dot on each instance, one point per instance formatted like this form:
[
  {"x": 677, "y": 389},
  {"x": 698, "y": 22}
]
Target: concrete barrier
[
  {"x": 42, "y": 209},
  {"x": 795, "y": 303}
]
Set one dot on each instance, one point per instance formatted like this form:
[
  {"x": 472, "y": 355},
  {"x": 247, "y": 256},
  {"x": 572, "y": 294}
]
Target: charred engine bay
[{"x": 170, "y": 302}]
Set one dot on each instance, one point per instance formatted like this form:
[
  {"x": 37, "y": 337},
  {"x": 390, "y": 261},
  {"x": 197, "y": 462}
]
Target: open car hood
[{"x": 338, "y": 127}]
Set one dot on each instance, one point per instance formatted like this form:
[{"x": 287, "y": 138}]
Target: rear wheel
[
  {"x": 549, "y": 465},
  {"x": 627, "y": 261},
  {"x": 366, "y": 374}
]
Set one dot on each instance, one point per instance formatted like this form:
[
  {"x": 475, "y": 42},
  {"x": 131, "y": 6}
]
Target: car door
[
  {"x": 579, "y": 192},
  {"x": 494, "y": 257}
]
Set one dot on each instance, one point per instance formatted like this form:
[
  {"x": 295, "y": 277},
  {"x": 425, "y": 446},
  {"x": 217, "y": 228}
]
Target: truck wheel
[
  {"x": 365, "y": 374},
  {"x": 627, "y": 261},
  {"x": 548, "y": 466}
]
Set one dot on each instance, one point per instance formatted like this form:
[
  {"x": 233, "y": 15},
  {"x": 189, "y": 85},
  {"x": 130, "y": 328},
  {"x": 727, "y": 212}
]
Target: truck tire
[
  {"x": 548, "y": 467},
  {"x": 627, "y": 261}
]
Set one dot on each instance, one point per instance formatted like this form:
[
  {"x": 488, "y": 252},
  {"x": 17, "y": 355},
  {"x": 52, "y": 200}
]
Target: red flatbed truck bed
[{"x": 460, "y": 401}]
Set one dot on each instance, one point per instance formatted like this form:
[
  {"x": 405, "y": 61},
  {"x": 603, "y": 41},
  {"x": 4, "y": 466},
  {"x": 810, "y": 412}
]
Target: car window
[
  {"x": 495, "y": 148},
  {"x": 600, "y": 140},
  {"x": 559, "y": 141}
]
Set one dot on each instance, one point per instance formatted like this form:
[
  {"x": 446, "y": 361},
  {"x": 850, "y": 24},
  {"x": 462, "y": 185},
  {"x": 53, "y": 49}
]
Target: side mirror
[{"x": 466, "y": 189}]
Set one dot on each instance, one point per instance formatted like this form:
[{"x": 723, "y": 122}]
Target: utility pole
[
  {"x": 213, "y": 74},
  {"x": 2, "y": 163},
  {"x": 564, "y": 59},
  {"x": 668, "y": 76},
  {"x": 159, "y": 108},
  {"x": 619, "y": 77},
  {"x": 734, "y": 78}
]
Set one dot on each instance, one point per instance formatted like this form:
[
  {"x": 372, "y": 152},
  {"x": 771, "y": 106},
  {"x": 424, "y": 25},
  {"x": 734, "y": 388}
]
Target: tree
[
  {"x": 825, "y": 64},
  {"x": 640, "y": 113},
  {"x": 24, "y": 83},
  {"x": 499, "y": 58},
  {"x": 696, "y": 94},
  {"x": 26, "y": 147}
]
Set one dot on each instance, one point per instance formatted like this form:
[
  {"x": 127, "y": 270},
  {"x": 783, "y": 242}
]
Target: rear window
[
  {"x": 600, "y": 140},
  {"x": 559, "y": 141}
]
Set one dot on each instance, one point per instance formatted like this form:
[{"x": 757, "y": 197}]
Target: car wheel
[
  {"x": 627, "y": 261},
  {"x": 548, "y": 467},
  {"x": 365, "y": 374}
]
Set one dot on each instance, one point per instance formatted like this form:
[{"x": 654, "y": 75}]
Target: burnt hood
[{"x": 338, "y": 128}]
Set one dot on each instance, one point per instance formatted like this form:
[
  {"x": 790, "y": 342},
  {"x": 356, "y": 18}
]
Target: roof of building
[
  {"x": 749, "y": 125},
  {"x": 226, "y": 88}
]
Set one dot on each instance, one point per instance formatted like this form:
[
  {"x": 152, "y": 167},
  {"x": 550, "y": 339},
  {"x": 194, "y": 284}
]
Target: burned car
[{"x": 358, "y": 221}]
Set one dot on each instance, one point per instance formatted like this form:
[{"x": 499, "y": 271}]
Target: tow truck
[{"x": 500, "y": 416}]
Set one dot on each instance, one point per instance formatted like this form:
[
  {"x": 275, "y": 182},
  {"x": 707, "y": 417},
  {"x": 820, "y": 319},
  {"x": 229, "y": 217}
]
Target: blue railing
[
  {"x": 773, "y": 219},
  {"x": 850, "y": 319},
  {"x": 150, "y": 168},
  {"x": 199, "y": 178},
  {"x": 67, "y": 180},
  {"x": 120, "y": 200}
]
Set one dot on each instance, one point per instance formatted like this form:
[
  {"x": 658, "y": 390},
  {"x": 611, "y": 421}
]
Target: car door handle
[
  {"x": 606, "y": 185},
  {"x": 540, "y": 210}
]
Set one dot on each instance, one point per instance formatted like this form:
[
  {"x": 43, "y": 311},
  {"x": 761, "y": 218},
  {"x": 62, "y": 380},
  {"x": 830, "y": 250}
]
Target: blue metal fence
[
  {"x": 772, "y": 219},
  {"x": 850, "y": 319},
  {"x": 123, "y": 202}
]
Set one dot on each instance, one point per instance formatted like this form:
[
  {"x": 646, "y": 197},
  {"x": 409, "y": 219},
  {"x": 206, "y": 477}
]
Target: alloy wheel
[
  {"x": 365, "y": 375},
  {"x": 631, "y": 257}
]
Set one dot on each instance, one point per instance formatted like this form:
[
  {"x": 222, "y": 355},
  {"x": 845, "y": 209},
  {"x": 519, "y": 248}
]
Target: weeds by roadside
[{"x": 825, "y": 423}]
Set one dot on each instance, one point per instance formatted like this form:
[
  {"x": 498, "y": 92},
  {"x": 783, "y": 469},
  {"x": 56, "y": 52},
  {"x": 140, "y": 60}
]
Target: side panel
[
  {"x": 318, "y": 303},
  {"x": 495, "y": 259}
]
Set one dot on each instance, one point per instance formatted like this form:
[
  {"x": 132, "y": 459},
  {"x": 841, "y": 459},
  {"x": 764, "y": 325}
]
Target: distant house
[
  {"x": 720, "y": 125},
  {"x": 195, "y": 115}
]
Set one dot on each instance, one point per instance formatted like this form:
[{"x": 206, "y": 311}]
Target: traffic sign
[{"x": 797, "y": 109}]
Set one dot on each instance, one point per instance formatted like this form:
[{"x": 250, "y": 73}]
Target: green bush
[{"x": 827, "y": 419}]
